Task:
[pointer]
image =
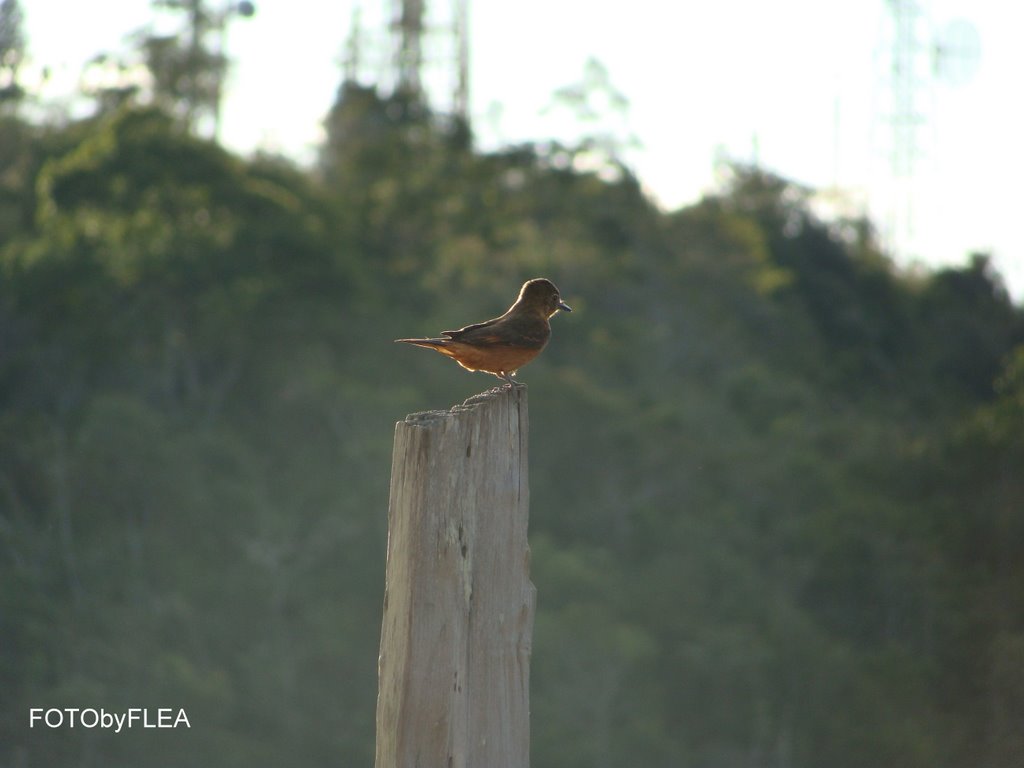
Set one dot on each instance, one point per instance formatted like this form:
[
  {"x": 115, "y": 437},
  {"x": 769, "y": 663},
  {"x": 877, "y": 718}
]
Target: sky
[{"x": 802, "y": 87}]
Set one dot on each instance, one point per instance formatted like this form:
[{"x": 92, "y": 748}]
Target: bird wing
[
  {"x": 504, "y": 331},
  {"x": 476, "y": 332}
]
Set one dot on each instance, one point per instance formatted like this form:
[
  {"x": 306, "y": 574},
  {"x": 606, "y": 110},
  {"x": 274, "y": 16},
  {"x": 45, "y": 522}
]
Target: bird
[{"x": 505, "y": 343}]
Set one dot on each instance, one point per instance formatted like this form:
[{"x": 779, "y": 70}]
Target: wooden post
[{"x": 454, "y": 665}]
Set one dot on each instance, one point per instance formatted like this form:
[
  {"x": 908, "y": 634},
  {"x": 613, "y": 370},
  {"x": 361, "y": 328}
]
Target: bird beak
[{"x": 563, "y": 306}]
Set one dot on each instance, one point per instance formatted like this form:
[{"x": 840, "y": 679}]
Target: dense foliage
[{"x": 777, "y": 494}]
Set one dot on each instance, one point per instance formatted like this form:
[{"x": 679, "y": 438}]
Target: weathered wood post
[{"x": 454, "y": 665}]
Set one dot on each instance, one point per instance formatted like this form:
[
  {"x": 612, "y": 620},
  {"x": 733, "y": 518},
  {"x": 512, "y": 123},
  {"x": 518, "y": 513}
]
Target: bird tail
[{"x": 428, "y": 343}]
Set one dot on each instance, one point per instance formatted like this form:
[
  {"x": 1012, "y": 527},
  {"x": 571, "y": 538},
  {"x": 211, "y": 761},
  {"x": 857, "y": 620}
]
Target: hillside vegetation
[{"x": 777, "y": 498}]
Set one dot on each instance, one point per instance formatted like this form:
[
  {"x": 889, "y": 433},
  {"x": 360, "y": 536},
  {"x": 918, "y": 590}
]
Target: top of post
[{"x": 487, "y": 397}]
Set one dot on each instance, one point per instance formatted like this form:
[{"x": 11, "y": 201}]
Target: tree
[
  {"x": 595, "y": 102},
  {"x": 12, "y": 51},
  {"x": 189, "y": 67},
  {"x": 970, "y": 325},
  {"x": 776, "y": 499}
]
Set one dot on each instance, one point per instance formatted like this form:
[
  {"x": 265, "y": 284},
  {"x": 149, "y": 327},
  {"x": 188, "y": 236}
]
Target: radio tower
[
  {"x": 460, "y": 29},
  {"x": 920, "y": 57},
  {"x": 906, "y": 117},
  {"x": 428, "y": 49},
  {"x": 414, "y": 51},
  {"x": 407, "y": 30}
]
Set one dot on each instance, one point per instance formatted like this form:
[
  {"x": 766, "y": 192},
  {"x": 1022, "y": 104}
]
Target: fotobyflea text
[{"x": 88, "y": 717}]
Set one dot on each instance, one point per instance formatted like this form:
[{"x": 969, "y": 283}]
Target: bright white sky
[{"x": 800, "y": 85}]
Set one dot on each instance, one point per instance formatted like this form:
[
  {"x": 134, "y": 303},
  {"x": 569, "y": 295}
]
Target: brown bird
[{"x": 503, "y": 345}]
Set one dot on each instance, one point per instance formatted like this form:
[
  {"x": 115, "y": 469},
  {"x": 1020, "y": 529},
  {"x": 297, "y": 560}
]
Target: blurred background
[{"x": 777, "y": 499}]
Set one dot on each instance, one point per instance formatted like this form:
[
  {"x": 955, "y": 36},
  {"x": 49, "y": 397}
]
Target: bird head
[{"x": 541, "y": 295}]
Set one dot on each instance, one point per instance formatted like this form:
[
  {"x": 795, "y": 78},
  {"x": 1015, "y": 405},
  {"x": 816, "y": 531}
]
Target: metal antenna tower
[
  {"x": 460, "y": 28},
  {"x": 906, "y": 117},
  {"x": 428, "y": 52},
  {"x": 906, "y": 83},
  {"x": 353, "y": 58},
  {"x": 407, "y": 30},
  {"x": 420, "y": 53},
  {"x": 920, "y": 57}
]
